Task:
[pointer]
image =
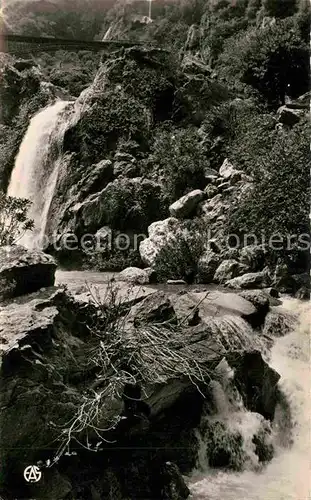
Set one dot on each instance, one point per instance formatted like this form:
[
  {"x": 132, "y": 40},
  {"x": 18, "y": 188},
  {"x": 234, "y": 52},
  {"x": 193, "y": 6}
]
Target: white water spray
[
  {"x": 287, "y": 477},
  {"x": 37, "y": 165}
]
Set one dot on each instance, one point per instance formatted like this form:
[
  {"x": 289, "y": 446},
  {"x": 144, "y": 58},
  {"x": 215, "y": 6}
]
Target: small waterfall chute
[{"x": 287, "y": 476}]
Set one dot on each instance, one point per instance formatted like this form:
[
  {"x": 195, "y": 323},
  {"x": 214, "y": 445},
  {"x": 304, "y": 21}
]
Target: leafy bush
[
  {"x": 274, "y": 60},
  {"x": 280, "y": 200},
  {"x": 179, "y": 258},
  {"x": 112, "y": 261},
  {"x": 13, "y": 219},
  {"x": 148, "y": 76},
  {"x": 179, "y": 159},
  {"x": 252, "y": 135}
]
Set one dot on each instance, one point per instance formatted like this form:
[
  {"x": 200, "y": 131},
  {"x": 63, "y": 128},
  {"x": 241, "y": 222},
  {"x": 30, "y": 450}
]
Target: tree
[
  {"x": 280, "y": 8},
  {"x": 274, "y": 60},
  {"x": 13, "y": 219},
  {"x": 279, "y": 203}
]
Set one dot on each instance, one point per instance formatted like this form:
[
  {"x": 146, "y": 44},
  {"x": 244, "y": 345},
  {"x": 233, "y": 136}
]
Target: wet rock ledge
[{"x": 105, "y": 389}]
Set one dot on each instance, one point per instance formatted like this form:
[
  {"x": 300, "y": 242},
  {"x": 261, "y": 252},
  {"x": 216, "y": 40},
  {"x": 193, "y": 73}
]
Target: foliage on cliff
[
  {"x": 13, "y": 219},
  {"x": 281, "y": 191}
]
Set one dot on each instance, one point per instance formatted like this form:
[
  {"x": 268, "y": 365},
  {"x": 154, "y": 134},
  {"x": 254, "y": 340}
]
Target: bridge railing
[{"x": 11, "y": 42}]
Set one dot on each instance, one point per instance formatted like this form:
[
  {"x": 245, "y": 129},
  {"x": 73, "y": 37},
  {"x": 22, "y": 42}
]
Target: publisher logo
[{"x": 32, "y": 474}]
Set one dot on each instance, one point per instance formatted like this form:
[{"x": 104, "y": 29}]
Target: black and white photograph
[{"x": 155, "y": 317}]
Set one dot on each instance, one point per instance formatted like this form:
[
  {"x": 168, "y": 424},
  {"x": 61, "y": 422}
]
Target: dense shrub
[
  {"x": 149, "y": 76},
  {"x": 274, "y": 60},
  {"x": 106, "y": 120},
  {"x": 73, "y": 71},
  {"x": 239, "y": 129},
  {"x": 252, "y": 135},
  {"x": 63, "y": 19},
  {"x": 179, "y": 258},
  {"x": 131, "y": 205},
  {"x": 279, "y": 202},
  {"x": 179, "y": 159}
]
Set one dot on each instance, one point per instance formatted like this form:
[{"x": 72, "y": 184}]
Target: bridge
[{"x": 27, "y": 45}]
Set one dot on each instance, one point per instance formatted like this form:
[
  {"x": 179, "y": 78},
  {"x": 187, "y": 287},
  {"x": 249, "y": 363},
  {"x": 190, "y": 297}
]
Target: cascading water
[
  {"x": 37, "y": 165},
  {"x": 287, "y": 476}
]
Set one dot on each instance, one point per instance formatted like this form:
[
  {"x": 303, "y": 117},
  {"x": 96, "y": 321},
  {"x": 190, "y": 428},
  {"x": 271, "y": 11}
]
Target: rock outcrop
[
  {"x": 123, "y": 203},
  {"x": 23, "y": 271},
  {"x": 250, "y": 280},
  {"x": 185, "y": 206}
]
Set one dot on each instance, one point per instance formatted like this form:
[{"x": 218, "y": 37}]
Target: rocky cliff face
[
  {"x": 98, "y": 388},
  {"x": 106, "y": 180}
]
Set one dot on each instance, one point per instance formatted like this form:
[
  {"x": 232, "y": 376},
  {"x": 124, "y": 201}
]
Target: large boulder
[
  {"x": 250, "y": 280},
  {"x": 253, "y": 256},
  {"x": 207, "y": 266},
  {"x": 186, "y": 206},
  {"x": 261, "y": 301},
  {"x": 288, "y": 116},
  {"x": 156, "y": 308},
  {"x": 160, "y": 234},
  {"x": 124, "y": 295},
  {"x": 189, "y": 309},
  {"x": 227, "y": 170},
  {"x": 227, "y": 270},
  {"x": 257, "y": 382},
  {"x": 135, "y": 275},
  {"x": 124, "y": 204},
  {"x": 23, "y": 271},
  {"x": 27, "y": 315},
  {"x": 197, "y": 307}
]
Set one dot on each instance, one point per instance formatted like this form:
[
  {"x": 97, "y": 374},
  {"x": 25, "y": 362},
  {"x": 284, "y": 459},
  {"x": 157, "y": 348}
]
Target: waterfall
[
  {"x": 287, "y": 476},
  {"x": 37, "y": 165}
]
